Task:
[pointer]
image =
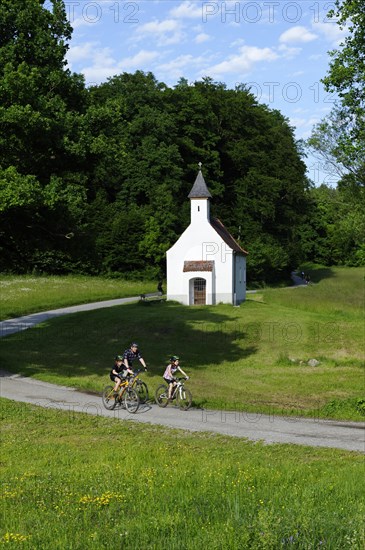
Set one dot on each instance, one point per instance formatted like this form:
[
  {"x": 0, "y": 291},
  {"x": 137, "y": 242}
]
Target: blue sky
[{"x": 278, "y": 47}]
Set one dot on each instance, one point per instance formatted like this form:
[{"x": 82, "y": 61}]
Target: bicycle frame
[
  {"x": 122, "y": 387},
  {"x": 178, "y": 388},
  {"x": 128, "y": 381},
  {"x": 135, "y": 378},
  {"x": 131, "y": 398},
  {"x": 180, "y": 393}
]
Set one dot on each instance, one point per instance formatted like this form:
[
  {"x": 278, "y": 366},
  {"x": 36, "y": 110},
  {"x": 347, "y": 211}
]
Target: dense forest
[{"x": 95, "y": 180}]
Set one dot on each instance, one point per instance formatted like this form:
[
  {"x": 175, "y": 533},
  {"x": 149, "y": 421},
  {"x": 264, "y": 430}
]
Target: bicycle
[
  {"x": 140, "y": 387},
  {"x": 180, "y": 393},
  {"x": 125, "y": 395}
]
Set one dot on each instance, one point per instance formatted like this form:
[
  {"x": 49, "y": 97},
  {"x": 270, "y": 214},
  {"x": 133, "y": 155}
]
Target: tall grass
[{"x": 74, "y": 481}]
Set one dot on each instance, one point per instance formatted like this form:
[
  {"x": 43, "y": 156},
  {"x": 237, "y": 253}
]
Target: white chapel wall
[{"x": 210, "y": 247}]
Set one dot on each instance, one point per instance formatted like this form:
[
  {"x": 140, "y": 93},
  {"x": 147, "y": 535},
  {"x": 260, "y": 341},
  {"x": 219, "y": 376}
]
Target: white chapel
[{"x": 205, "y": 265}]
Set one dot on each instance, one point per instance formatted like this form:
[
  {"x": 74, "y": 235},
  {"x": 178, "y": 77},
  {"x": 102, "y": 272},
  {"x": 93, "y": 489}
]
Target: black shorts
[
  {"x": 114, "y": 376},
  {"x": 169, "y": 381}
]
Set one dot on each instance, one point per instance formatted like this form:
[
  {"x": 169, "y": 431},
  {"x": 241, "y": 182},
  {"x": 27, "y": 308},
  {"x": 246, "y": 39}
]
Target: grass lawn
[
  {"x": 253, "y": 357},
  {"x": 23, "y": 294},
  {"x": 77, "y": 481}
]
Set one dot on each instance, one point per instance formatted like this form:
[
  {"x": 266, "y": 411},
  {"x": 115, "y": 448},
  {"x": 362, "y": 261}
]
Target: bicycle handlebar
[
  {"x": 134, "y": 375},
  {"x": 136, "y": 372}
]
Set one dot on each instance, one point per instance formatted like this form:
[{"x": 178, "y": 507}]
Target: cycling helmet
[
  {"x": 134, "y": 345},
  {"x": 118, "y": 358},
  {"x": 174, "y": 358}
]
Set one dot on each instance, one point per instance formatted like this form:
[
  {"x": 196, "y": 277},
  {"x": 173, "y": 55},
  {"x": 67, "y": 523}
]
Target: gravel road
[{"x": 269, "y": 429}]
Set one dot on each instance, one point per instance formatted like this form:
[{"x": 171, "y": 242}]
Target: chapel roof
[
  {"x": 199, "y": 189},
  {"x": 226, "y": 236},
  {"x": 198, "y": 265}
]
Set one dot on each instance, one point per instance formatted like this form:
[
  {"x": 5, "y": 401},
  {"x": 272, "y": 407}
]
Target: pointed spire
[{"x": 199, "y": 189}]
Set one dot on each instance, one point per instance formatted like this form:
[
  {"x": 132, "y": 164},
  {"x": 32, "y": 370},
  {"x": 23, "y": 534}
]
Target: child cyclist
[
  {"x": 169, "y": 374},
  {"x": 119, "y": 371}
]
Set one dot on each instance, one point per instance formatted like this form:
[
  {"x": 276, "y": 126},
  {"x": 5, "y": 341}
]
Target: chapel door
[{"x": 199, "y": 291}]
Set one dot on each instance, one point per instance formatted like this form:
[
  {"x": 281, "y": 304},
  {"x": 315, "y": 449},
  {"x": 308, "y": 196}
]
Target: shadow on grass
[
  {"x": 317, "y": 272},
  {"x": 84, "y": 344}
]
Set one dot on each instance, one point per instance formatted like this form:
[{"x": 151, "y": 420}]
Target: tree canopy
[
  {"x": 340, "y": 137},
  {"x": 95, "y": 180},
  {"x": 346, "y": 74}
]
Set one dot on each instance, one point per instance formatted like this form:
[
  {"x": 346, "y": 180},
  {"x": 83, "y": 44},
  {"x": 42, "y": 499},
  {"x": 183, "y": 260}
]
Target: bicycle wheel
[
  {"x": 142, "y": 391},
  {"x": 184, "y": 398},
  {"x": 131, "y": 400},
  {"x": 161, "y": 395},
  {"x": 108, "y": 397}
]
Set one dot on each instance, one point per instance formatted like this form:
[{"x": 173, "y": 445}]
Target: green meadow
[
  {"x": 81, "y": 482},
  {"x": 253, "y": 357},
  {"x": 24, "y": 294}
]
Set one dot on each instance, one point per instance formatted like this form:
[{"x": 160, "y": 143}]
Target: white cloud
[
  {"x": 164, "y": 32},
  {"x": 102, "y": 64},
  {"x": 78, "y": 22},
  {"x": 289, "y": 52},
  {"x": 140, "y": 59},
  {"x": 96, "y": 74},
  {"x": 181, "y": 62},
  {"x": 83, "y": 51},
  {"x": 243, "y": 62},
  {"x": 298, "y": 122},
  {"x": 331, "y": 32},
  {"x": 303, "y": 123},
  {"x": 304, "y": 126},
  {"x": 181, "y": 66},
  {"x": 201, "y": 37},
  {"x": 158, "y": 27},
  {"x": 238, "y": 42},
  {"x": 104, "y": 56},
  {"x": 187, "y": 10},
  {"x": 297, "y": 34}
]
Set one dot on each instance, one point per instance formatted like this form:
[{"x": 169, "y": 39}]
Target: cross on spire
[{"x": 200, "y": 165}]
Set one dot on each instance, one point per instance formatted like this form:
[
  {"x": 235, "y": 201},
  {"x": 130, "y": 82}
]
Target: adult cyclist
[{"x": 130, "y": 355}]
